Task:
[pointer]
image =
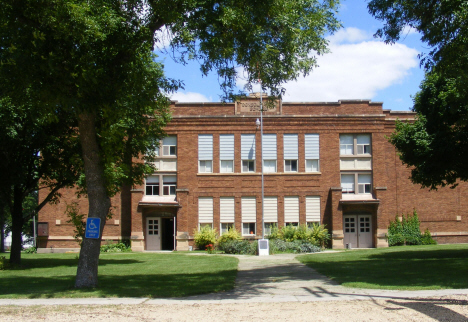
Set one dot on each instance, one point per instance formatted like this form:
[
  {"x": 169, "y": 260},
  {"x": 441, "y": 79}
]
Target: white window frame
[
  {"x": 154, "y": 181},
  {"x": 290, "y": 165},
  {"x": 312, "y": 152},
  {"x": 248, "y": 151},
  {"x": 226, "y": 153},
  {"x": 171, "y": 187},
  {"x": 361, "y": 144},
  {"x": 267, "y": 226},
  {"x": 225, "y": 226},
  {"x": 169, "y": 149},
  {"x": 359, "y": 186},
  {"x": 247, "y": 164},
  {"x": 269, "y": 166},
  {"x": 205, "y": 153},
  {"x": 205, "y": 212},
  {"x": 246, "y": 228},
  {"x": 205, "y": 166},
  {"x": 269, "y": 153},
  {"x": 226, "y": 166}
]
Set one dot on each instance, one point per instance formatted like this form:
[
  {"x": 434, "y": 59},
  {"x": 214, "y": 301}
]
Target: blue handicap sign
[{"x": 93, "y": 228}]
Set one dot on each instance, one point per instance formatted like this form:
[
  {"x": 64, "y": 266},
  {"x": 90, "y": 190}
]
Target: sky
[{"x": 358, "y": 67}]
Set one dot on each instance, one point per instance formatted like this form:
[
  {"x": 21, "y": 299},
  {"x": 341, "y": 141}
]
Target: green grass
[
  {"x": 396, "y": 268},
  {"x": 120, "y": 275}
]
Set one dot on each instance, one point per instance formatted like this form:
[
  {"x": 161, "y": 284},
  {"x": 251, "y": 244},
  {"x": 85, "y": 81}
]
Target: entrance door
[
  {"x": 357, "y": 231},
  {"x": 153, "y": 235},
  {"x": 167, "y": 233}
]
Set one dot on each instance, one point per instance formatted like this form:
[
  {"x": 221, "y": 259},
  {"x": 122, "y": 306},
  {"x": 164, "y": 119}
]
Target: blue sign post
[{"x": 93, "y": 228}]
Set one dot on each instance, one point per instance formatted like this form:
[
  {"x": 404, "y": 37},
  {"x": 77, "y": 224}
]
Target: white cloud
[
  {"x": 356, "y": 68},
  {"x": 163, "y": 38},
  {"x": 190, "y": 97}
]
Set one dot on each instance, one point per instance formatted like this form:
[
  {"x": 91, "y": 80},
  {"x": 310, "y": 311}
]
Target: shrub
[
  {"x": 297, "y": 246},
  {"x": 319, "y": 235},
  {"x": 231, "y": 234},
  {"x": 115, "y": 248},
  {"x": 287, "y": 233},
  {"x": 205, "y": 236},
  {"x": 274, "y": 234},
  {"x": 407, "y": 232},
  {"x": 30, "y": 250},
  {"x": 426, "y": 238},
  {"x": 3, "y": 263},
  {"x": 243, "y": 247}
]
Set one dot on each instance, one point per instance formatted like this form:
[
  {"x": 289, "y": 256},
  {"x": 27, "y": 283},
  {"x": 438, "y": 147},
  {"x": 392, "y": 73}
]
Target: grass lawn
[
  {"x": 396, "y": 268},
  {"x": 120, "y": 275}
]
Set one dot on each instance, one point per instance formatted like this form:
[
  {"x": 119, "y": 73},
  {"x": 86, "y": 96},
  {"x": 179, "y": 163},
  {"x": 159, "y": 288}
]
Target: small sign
[{"x": 93, "y": 228}]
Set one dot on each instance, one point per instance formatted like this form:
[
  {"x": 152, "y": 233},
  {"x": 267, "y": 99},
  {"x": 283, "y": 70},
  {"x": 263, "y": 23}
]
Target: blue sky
[{"x": 358, "y": 67}]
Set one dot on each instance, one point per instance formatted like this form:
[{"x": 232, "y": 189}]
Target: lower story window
[
  {"x": 312, "y": 165},
  {"x": 363, "y": 181},
  {"x": 268, "y": 227},
  {"x": 206, "y": 166},
  {"x": 226, "y": 226},
  {"x": 248, "y": 166},
  {"x": 248, "y": 228},
  {"x": 227, "y": 166},
  {"x": 293, "y": 224},
  {"x": 311, "y": 224},
  {"x": 169, "y": 185},
  {"x": 203, "y": 225},
  {"x": 269, "y": 165},
  {"x": 290, "y": 165}
]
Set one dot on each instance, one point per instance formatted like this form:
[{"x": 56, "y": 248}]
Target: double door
[
  {"x": 160, "y": 233},
  {"x": 357, "y": 231}
]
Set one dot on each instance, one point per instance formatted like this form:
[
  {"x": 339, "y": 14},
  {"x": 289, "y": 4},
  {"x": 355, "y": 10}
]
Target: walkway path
[{"x": 276, "y": 278}]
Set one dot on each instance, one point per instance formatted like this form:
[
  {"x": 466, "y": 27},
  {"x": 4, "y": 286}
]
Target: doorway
[
  {"x": 160, "y": 233},
  {"x": 357, "y": 231}
]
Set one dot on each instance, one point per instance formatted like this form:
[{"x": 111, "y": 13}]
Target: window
[
  {"x": 205, "y": 152},
  {"x": 152, "y": 186},
  {"x": 290, "y": 165},
  {"x": 248, "y": 152},
  {"x": 226, "y": 213},
  {"x": 291, "y": 210},
  {"x": 206, "y": 166},
  {"x": 169, "y": 185},
  {"x": 205, "y": 211},
  {"x": 362, "y": 180},
  {"x": 355, "y": 144},
  {"x": 248, "y": 229},
  {"x": 226, "y": 226},
  {"x": 248, "y": 166},
  {"x": 169, "y": 146},
  {"x": 226, "y": 153},
  {"x": 269, "y": 152},
  {"x": 312, "y": 152},
  {"x": 268, "y": 227},
  {"x": 312, "y": 210},
  {"x": 291, "y": 152},
  {"x": 249, "y": 215},
  {"x": 292, "y": 224}
]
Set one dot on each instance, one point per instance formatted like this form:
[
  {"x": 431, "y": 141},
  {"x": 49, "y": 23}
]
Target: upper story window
[
  {"x": 226, "y": 153},
  {"x": 269, "y": 152},
  {"x": 169, "y": 146},
  {"x": 355, "y": 144},
  {"x": 154, "y": 188},
  {"x": 248, "y": 152},
  {"x": 312, "y": 152},
  {"x": 363, "y": 182},
  {"x": 205, "y": 153},
  {"x": 291, "y": 152}
]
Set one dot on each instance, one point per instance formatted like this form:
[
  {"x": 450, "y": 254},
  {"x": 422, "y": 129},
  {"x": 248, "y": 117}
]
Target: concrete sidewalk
[{"x": 275, "y": 278}]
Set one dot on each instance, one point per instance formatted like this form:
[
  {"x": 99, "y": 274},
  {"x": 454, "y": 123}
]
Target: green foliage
[
  {"x": 316, "y": 234},
  {"x": 111, "y": 247},
  {"x": 231, "y": 234},
  {"x": 77, "y": 220},
  {"x": 243, "y": 247},
  {"x": 30, "y": 250},
  {"x": 407, "y": 232},
  {"x": 435, "y": 146},
  {"x": 426, "y": 238},
  {"x": 274, "y": 233},
  {"x": 205, "y": 236},
  {"x": 296, "y": 246},
  {"x": 4, "y": 264}
]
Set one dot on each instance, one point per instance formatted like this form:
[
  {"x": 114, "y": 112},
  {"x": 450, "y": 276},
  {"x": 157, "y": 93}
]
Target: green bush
[
  {"x": 30, "y": 250},
  {"x": 407, "y": 232},
  {"x": 316, "y": 234},
  {"x": 297, "y": 246},
  {"x": 115, "y": 248},
  {"x": 287, "y": 233},
  {"x": 243, "y": 247},
  {"x": 319, "y": 235},
  {"x": 426, "y": 238},
  {"x": 231, "y": 234},
  {"x": 205, "y": 236},
  {"x": 3, "y": 263},
  {"x": 274, "y": 233}
]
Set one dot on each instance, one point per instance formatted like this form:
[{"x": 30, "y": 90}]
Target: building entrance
[
  {"x": 357, "y": 231},
  {"x": 160, "y": 233}
]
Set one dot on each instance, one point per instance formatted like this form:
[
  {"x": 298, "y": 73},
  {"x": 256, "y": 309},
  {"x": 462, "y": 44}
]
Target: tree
[
  {"x": 435, "y": 146},
  {"x": 93, "y": 59},
  {"x": 33, "y": 147}
]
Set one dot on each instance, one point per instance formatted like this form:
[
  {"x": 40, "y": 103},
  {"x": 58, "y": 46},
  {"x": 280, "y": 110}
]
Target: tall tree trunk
[
  {"x": 17, "y": 222},
  {"x": 126, "y": 212},
  {"x": 2, "y": 227},
  {"x": 99, "y": 201}
]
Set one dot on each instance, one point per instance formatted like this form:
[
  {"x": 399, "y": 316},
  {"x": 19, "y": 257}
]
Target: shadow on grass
[
  {"x": 396, "y": 269},
  {"x": 144, "y": 285},
  {"x": 33, "y": 263}
]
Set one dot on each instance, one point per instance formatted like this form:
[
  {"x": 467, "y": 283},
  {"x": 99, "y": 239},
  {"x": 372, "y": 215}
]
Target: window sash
[
  {"x": 248, "y": 229},
  {"x": 269, "y": 165},
  {"x": 290, "y": 165},
  {"x": 206, "y": 166},
  {"x": 312, "y": 165},
  {"x": 248, "y": 166},
  {"x": 227, "y": 166}
]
